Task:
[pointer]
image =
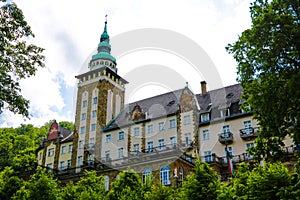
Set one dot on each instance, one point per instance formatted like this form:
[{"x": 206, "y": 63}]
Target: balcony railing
[
  {"x": 226, "y": 138},
  {"x": 153, "y": 153},
  {"x": 249, "y": 133}
]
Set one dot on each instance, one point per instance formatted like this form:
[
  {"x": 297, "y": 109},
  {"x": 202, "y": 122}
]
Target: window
[
  {"x": 249, "y": 145},
  {"x": 51, "y": 152},
  {"x": 83, "y": 116},
  {"x": 136, "y": 131},
  {"x": 173, "y": 141},
  {"x": 121, "y": 152},
  {"x": 161, "y": 126},
  {"x": 108, "y": 138},
  {"x": 205, "y": 117},
  {"x": 70, "y": 148},
  {"x": 63, "y": 149},
  {"x": 93, "y": 127},
  {"x": 50, "y": 166},
  {"x": 207, "y": 156},
  {"x": 84, "y": 103},
  {"x": 172, "y": 123},
  {"x": 136, "y": 148},
  {"x": 69, "y": 162},
  {"x": 79, "y": 161},
  {"x": 226, "y": 131},
  {"x": 106, "y": 182},
  {"x": 107, "y": 155},
  {"x": 147, "y": 175},
  {"x": 62, "y": 165},
  {"x": 40, "y": 156},
  {"x": 150, "y": 129},
  {"x": 121, "y": 135},
  {"x": 248, "y": 127},
  {"x": 181, "y": 173},
  {"x": 149, "y": 147},
  {"x": 95, "y": 100},
  {"x": 161, "y": 144},
  {"x": 225, "y": 112},
  {"x": 92, "y": 141},
  {"x": 94, "y": 113},
  {"x": 91, "y": 159},
  {"x": 205, "y": 134},
  {"x": 188, "y": 139},
  {"x": 82, "y": 129},
  {"x": 187, "y": 120},
  {"x": 80, "y": 145},
  {"x": 165, "y": 175}
]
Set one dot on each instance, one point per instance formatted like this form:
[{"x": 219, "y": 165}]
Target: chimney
[{"x": 203, "y": 87}]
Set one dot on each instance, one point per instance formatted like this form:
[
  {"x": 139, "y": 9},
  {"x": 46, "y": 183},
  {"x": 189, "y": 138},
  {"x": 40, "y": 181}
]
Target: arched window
[
  {"x": 106, "y": 182},
  {"x": 147, "y": 175},
  {"x": 181, "y": 174},
  {"x": 165, "y": 175}
]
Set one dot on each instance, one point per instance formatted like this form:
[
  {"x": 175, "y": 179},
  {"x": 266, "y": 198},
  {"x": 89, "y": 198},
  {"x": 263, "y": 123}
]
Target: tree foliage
[
  {"x": 271, "y": 181},
  {"x": 9, "y": 183},
  {"x": 202, "y": 184},
  {"x": 268, "y": 57},
  {"x": 90, "y": 187},
  {"x": 18, "y": 58},
  {"x": 127, "y": 186},
  {"x": 40, "y": 186},
  {"x": 18, "y": 145}
]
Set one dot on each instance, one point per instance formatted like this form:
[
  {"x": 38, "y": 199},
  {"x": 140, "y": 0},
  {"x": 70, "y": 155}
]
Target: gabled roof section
[
  {"x": 154, "y": 107},
  {"x": 220, "y": 98},
  {"x": 58, "y": 132}
]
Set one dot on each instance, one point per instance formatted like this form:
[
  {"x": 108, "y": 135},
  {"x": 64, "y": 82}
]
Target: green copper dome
[
  {"x": 104, "y": 35},
  {"x": 104, "y": 44},
  {"x": 103, "y": 55}
]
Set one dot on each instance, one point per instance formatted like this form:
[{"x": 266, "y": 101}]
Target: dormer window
[
  {"x": 205, "y": 117},
  {"x": 225, "y": 112}
]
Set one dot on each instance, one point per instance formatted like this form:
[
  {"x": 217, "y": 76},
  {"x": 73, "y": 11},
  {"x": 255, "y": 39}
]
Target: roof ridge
[
  {"x": 214, "y": 90},
  {"x": 155, "y": 96}
]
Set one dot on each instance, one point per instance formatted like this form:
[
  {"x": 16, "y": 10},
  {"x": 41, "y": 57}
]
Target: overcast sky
[{"x": 70, "y": 31}]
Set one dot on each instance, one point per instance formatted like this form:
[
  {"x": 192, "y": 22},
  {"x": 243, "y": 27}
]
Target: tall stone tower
[{"x": 100, "y": 98}]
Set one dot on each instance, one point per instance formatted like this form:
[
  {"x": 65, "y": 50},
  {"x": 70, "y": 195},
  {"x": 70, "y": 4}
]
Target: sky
[{"x": 69, "y": 31}]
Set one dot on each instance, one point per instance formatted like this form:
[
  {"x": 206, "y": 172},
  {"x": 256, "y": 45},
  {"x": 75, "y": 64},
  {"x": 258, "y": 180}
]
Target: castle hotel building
[{"x": 158, "y": 136}]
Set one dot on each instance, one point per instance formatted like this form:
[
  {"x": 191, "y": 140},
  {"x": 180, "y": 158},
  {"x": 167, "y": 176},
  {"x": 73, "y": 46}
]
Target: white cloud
[{"x": 70, "y": 31}]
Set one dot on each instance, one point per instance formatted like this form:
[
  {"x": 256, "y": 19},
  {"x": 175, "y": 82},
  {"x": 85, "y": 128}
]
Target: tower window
[
  {"x": 93, "y": 127},
  {"x": 84, "y": 103},
  {"x": 121, "y": 135},
  {"x": 95, "y": 100}
]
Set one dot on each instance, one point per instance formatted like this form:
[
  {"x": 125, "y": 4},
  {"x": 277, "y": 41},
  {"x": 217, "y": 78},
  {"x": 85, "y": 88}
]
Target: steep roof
[
  {"x": 220, "y": 98},
  {"x": 153, "y": 107}
]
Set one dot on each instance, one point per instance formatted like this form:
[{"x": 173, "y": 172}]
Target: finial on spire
[{"x": 106, "y": 19}]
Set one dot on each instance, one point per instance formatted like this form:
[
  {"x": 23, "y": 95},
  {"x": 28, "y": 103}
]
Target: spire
[{"x": 104, "y": 35}]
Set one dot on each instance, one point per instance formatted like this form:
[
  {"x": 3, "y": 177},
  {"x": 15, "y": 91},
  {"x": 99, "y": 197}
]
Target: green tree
[
  {"x": 40, "y": 186},
  {"x": 268, "y": 57},
  {"x": 201, "y": 184},
  {"x": 90, "y": 187},
  {"x": 271, "y": 181},
  {"x": 18, "y": 146},
  {"x": 18, "y": 59},
  {"x": 67, "y": 125},
  {"x": 9, "y": 183},
  {"x": 128, "y": 186}
]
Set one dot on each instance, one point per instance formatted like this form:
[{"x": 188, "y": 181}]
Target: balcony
[
  {"x": 249, "y": 133},
  {"x": 89, "y": 147},
  {"x": 226, "y": 138}
]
